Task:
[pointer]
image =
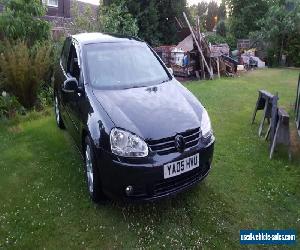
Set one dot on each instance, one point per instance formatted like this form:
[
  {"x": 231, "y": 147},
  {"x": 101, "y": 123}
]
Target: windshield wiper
[
  {"x": 165, "y": 81},
  {"x": 135, "y": 87}
]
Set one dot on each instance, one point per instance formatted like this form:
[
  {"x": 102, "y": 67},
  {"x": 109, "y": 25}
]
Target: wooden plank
[
  {"x": 200, "y": 39},
  {"x": 198, "y": 46},
  {"x": 218, "y": 66}
]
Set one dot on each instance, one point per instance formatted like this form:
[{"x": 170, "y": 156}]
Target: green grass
[{"x": 44, "y": 202}]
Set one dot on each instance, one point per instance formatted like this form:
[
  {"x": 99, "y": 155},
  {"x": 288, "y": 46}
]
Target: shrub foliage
[
  {"x": 21, "y": 20},
  {"x": 9, "y": 106},
  {"x": 25, "y": 69}
]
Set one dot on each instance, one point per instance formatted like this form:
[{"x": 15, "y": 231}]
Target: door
[
  {"x": 73, "y": 100},
  {"x": 59, "y": 78}
]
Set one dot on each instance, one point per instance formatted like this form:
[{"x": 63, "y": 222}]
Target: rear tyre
[
  {"x": 58, "y": 118},
  {"x": 92, "y": 173}
]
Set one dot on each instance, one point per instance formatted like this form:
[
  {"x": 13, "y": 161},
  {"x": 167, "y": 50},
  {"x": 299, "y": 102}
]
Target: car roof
[{"x": 88, "y": 38}]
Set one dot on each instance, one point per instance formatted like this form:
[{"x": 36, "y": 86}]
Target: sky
[{"x": 190, "y": 2}]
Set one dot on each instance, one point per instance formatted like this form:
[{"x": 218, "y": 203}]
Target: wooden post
[
  {"x": 200, "y": 41},
  {"x": 218, "y": 66},
  {"x": 179, "y": 23},
  {"x": 198, "y": 46}
]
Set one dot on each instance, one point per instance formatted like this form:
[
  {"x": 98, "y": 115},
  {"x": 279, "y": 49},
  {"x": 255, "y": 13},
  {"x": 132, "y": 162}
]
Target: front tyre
[
  {"x": 92, "y": 173},
  {"x": 58, "y": 119}
]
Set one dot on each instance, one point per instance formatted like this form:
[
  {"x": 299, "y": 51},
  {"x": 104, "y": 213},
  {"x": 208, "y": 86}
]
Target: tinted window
[
  {"x": 123, "y": 65},
  {"x": 65, "y": 53},
  {"x": 72, "y": 65}
]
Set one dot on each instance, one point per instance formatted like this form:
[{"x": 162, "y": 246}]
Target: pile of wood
[
  {"x": 211, "y": 60},
  {"x": 194, "y": 56}
]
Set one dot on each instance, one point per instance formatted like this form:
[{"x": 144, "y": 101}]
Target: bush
[
  {"x": 45, "y": 97},
  {"x": 9, "y": 106},
  {"x": 20, "y": 19},
  {"x": 293, "y": 49},
  {"x": 217, "y": 39},
  {"x": 24, "y": 69},
  {"x": 116, "y": 18}
]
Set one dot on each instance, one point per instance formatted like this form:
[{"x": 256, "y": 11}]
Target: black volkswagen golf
[{"x": 142, "y": 134}]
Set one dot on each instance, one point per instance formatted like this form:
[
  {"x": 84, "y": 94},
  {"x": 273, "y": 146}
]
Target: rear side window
[{"x": 65, "y": 53}]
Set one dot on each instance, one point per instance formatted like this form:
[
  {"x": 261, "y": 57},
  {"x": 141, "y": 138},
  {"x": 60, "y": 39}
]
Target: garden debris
[
  {"x": 243, "y": 44},
  {"x": 195, "y": 57},
  {"x": 164, "y": 52},
  {"x": 251, "y": 60}
]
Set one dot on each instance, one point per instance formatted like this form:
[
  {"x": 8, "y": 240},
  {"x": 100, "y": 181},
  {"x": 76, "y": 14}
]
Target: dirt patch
[{"x": 15, "y": 129}]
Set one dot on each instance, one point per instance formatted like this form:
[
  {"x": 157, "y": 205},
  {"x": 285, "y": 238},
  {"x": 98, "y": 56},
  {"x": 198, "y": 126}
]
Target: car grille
[
  {"x": 174, "y": 183},
  {"x": 167, "y": 145}
]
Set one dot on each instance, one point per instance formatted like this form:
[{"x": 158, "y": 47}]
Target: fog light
[{"x": 129, "y": 190}]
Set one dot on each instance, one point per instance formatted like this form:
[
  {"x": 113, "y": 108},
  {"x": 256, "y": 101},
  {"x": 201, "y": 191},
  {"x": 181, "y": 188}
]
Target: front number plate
[{"x": 179, "y": 167}]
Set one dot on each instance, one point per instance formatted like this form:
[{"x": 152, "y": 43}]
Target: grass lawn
[{"x": 44, "y": 201}]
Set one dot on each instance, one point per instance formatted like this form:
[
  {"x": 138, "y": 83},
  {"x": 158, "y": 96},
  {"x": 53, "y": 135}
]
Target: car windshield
[{"x": 123, "y": 65}]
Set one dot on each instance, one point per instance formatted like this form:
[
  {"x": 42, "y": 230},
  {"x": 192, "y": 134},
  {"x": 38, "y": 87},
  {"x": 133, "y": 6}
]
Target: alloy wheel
[
  {"x": 57, "y": 114},
  {"x": 89, "y": 169}
]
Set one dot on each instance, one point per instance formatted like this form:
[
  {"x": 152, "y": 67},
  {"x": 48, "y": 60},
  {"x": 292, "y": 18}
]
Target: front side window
[
  {"x": 123, "y": 65},
  {"x": 65, "y": 53},
  {"x": 72, "y": 65}
]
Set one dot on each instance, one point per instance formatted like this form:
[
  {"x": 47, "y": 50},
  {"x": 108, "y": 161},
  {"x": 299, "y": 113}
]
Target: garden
[
  {"x": 45, "y": 203},
  {"x": 43, "y": 192}
]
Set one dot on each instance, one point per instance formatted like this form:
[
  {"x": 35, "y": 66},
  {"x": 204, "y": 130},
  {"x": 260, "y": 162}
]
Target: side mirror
[
  {"x": 70, "y": 85},
  {"x": 171, "y": 71}
]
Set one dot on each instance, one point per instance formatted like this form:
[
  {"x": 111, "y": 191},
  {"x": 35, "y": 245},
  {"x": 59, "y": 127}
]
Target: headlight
[
  {"x": 205, "y": 124},
  {"x": 126, "y": 144}
]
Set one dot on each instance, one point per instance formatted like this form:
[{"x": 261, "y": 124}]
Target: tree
[
  {"x": 115, "y": 18},
  {"x": 168, "y": 10},
  {"x": 244, "y": 15},
  {"x": 212, "y": 12},
  {"x": 148, "y": 22},
  {"x": 83, "y": 21},
  {"x": 21, "y": 20},
  {"x": 280, "y": 29},
  {"x": 202, "y": 9},
  {"x": 155, "y": 18},
  {"x": 221, "y": 28},
  {"x": 222, "y": 11},
  {"x": 199, "y": 10}
]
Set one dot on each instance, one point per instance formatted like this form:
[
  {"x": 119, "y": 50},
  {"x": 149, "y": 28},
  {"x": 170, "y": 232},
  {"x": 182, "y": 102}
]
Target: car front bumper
[{"x": 147, "y": 178}]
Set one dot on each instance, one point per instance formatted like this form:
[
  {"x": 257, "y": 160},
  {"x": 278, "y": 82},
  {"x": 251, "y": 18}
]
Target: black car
[{"x": 142, "y": 134}]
